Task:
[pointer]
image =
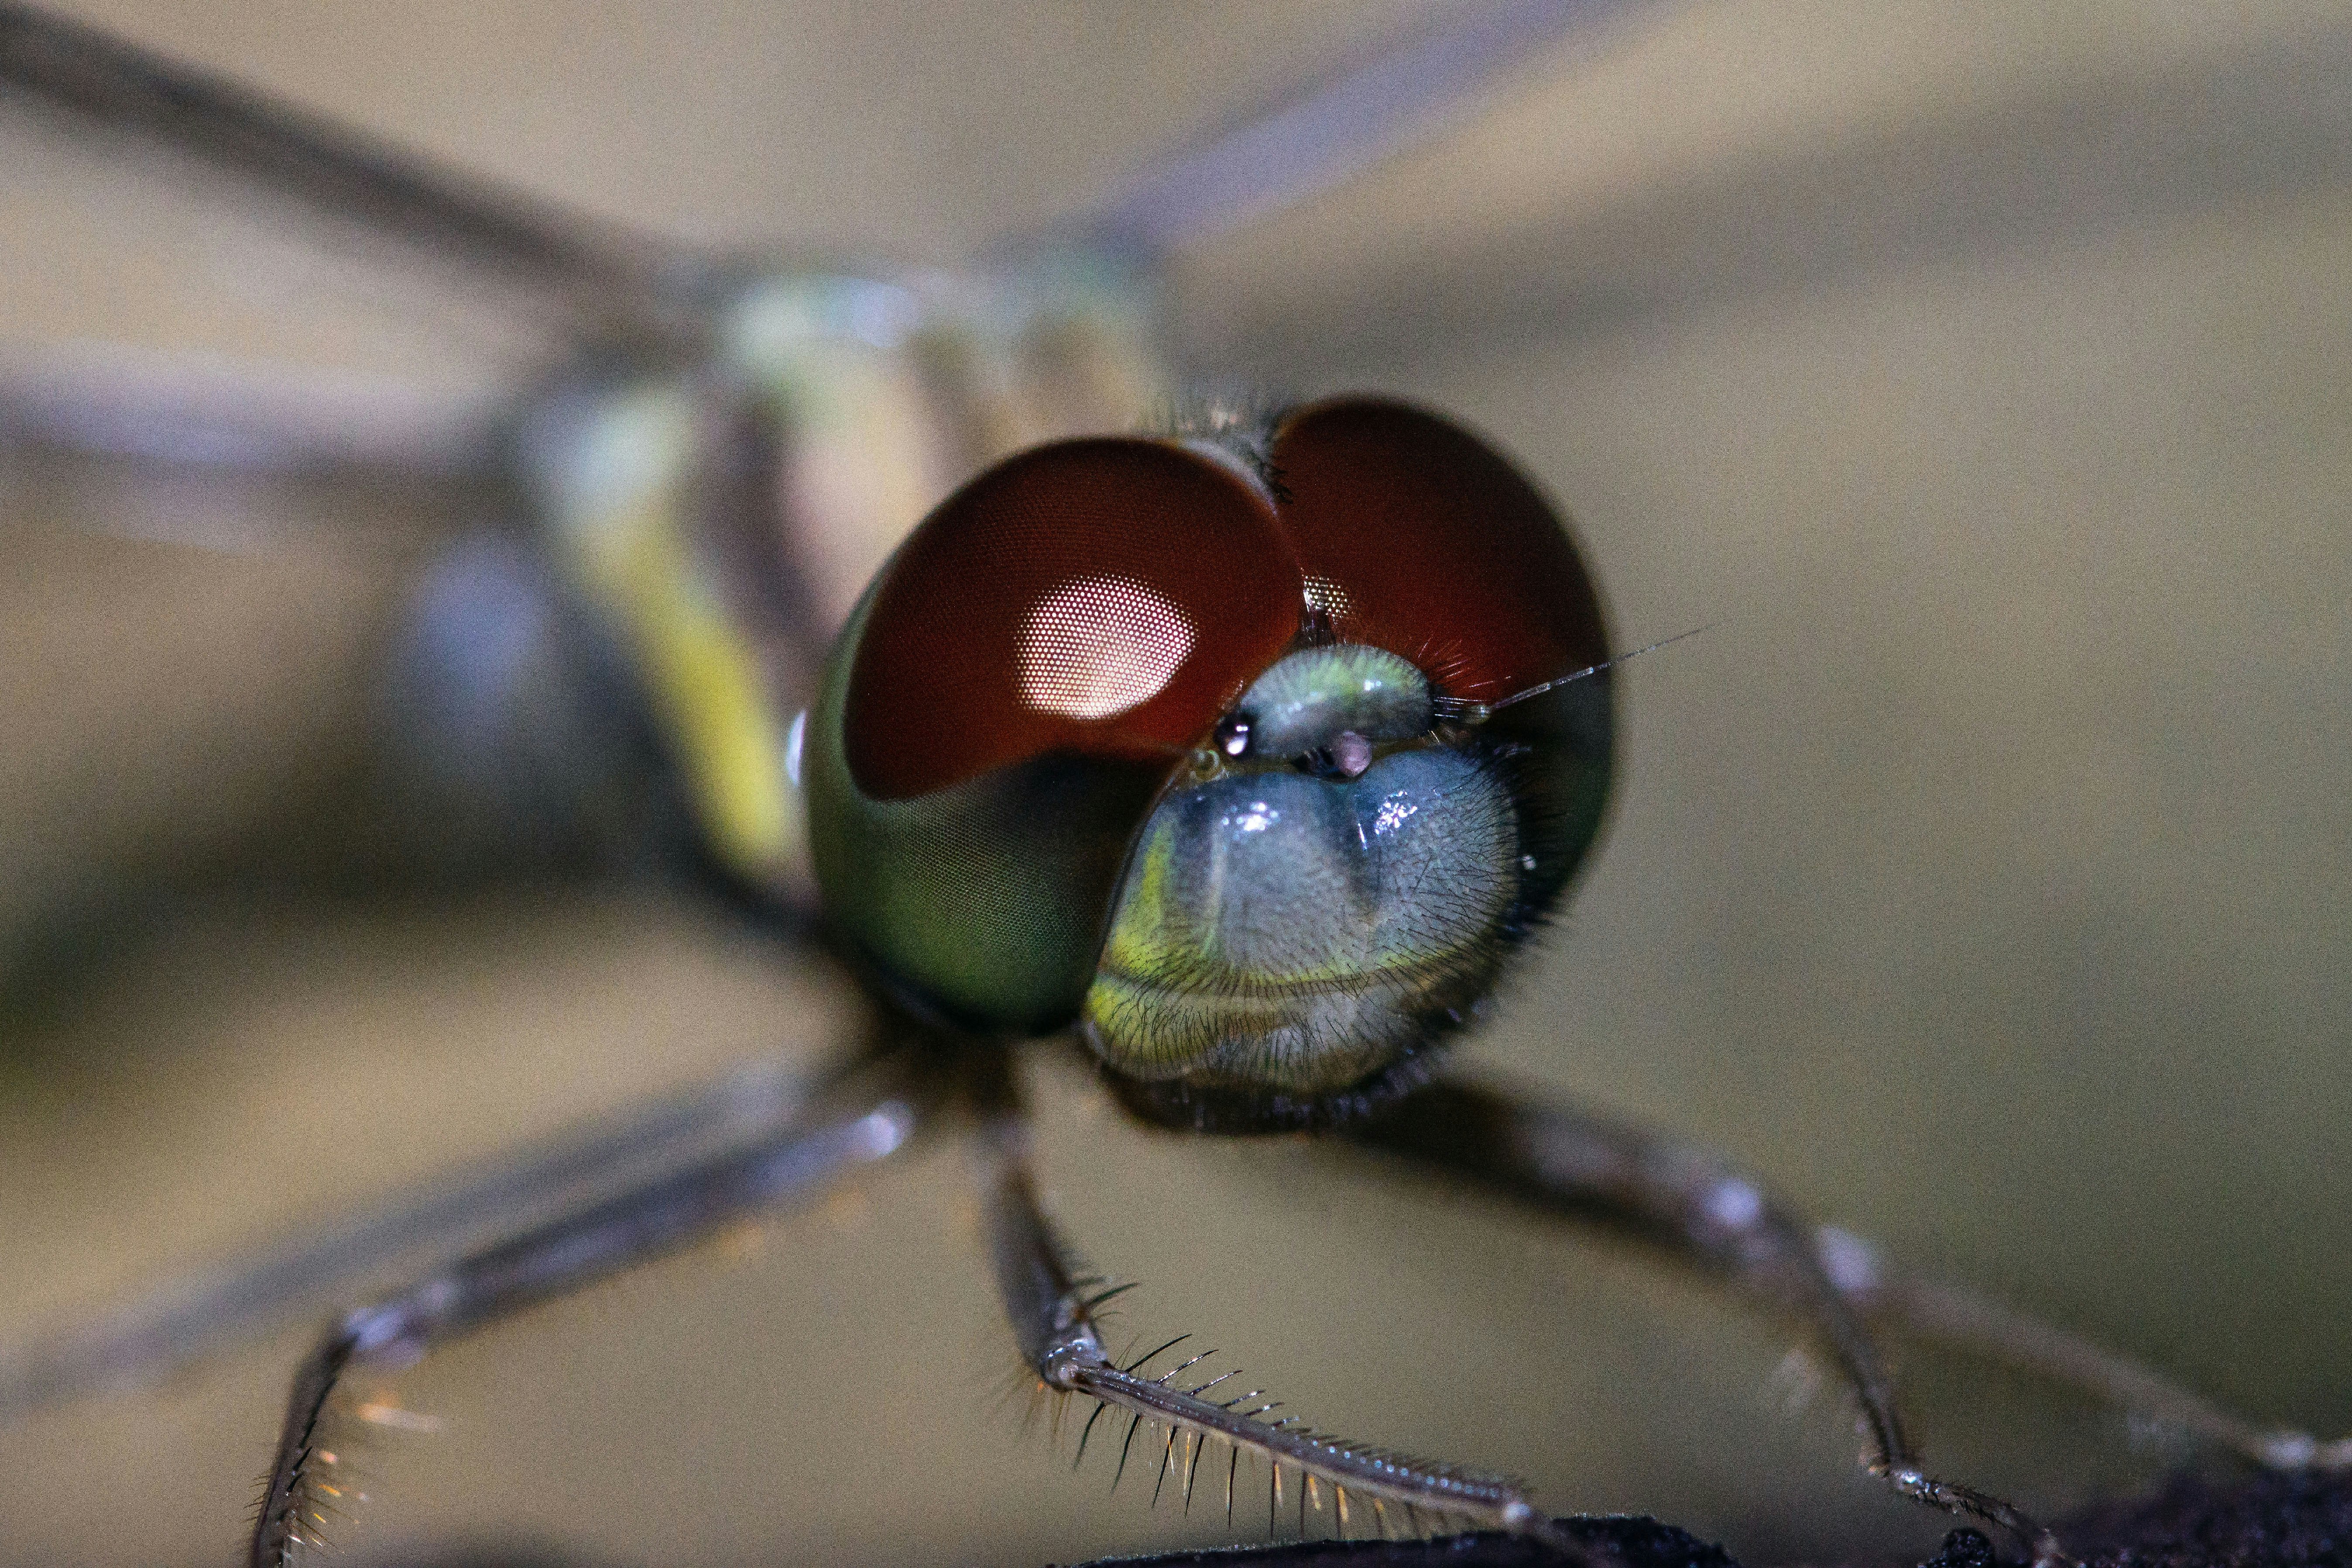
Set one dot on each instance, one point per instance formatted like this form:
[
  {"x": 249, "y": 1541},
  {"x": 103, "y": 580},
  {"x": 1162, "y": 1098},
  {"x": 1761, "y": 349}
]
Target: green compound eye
[{"x": 1204, "y": 758}]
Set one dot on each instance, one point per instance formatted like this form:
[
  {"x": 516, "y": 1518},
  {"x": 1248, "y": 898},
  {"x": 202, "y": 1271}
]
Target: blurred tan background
[{"x": 1982, "y": 375}]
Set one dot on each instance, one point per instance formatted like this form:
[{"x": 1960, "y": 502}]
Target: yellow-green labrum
[{"x": 1297, "y": 933}]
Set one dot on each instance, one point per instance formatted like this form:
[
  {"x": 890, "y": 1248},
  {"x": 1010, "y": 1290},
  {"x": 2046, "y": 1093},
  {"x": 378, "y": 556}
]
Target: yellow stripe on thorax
[{"x": 622, "y": 512}]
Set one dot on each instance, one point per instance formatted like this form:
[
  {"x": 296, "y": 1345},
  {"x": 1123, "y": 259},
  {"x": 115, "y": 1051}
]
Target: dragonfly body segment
[{"x": 628, "y": 675}]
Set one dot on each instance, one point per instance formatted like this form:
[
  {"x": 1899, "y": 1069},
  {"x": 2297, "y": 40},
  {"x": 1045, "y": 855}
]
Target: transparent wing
[{"x": 621, "y": 283}]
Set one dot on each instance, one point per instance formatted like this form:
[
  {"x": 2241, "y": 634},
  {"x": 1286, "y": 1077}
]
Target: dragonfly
[{"x": 1296, "y": 1221}]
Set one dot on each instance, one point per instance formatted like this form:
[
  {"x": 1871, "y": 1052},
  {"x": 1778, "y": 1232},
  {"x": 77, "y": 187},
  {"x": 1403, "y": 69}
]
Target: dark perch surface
[{"x": 2274, "y": 1521}]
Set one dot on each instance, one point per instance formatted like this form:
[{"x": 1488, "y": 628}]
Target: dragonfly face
[
  {"x": 1980, "y": 867},
  {"x": 1209, "y": 745}
]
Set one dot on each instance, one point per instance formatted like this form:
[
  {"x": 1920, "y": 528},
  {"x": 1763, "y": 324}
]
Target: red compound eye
[
  {"x": 1107, "y": 598},
  {"x": 1111, "y": 598},
  {"x": 1416, "y": 537}
]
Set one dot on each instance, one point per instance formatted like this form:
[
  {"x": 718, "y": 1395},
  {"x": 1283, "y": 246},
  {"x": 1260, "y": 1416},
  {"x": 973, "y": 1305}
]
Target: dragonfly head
[{"x": 1198, "y": 745}]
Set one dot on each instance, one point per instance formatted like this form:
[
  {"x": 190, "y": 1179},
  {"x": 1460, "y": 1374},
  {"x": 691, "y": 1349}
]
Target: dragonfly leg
[
  {"x": 1051, "y": 1307},
  {"x": 1954, "y": 1315},
  {"x": 861, "y": 1124},
  {"x": 144, "y": 1337},
  {"x": 1696, "y": 1203}
]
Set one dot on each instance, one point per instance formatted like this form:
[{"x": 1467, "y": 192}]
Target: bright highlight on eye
[{"x": 1097, "y": 647}]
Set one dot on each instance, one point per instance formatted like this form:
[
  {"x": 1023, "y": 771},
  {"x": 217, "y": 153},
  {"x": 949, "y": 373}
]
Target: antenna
[{"x": 1461, "y": 712}]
